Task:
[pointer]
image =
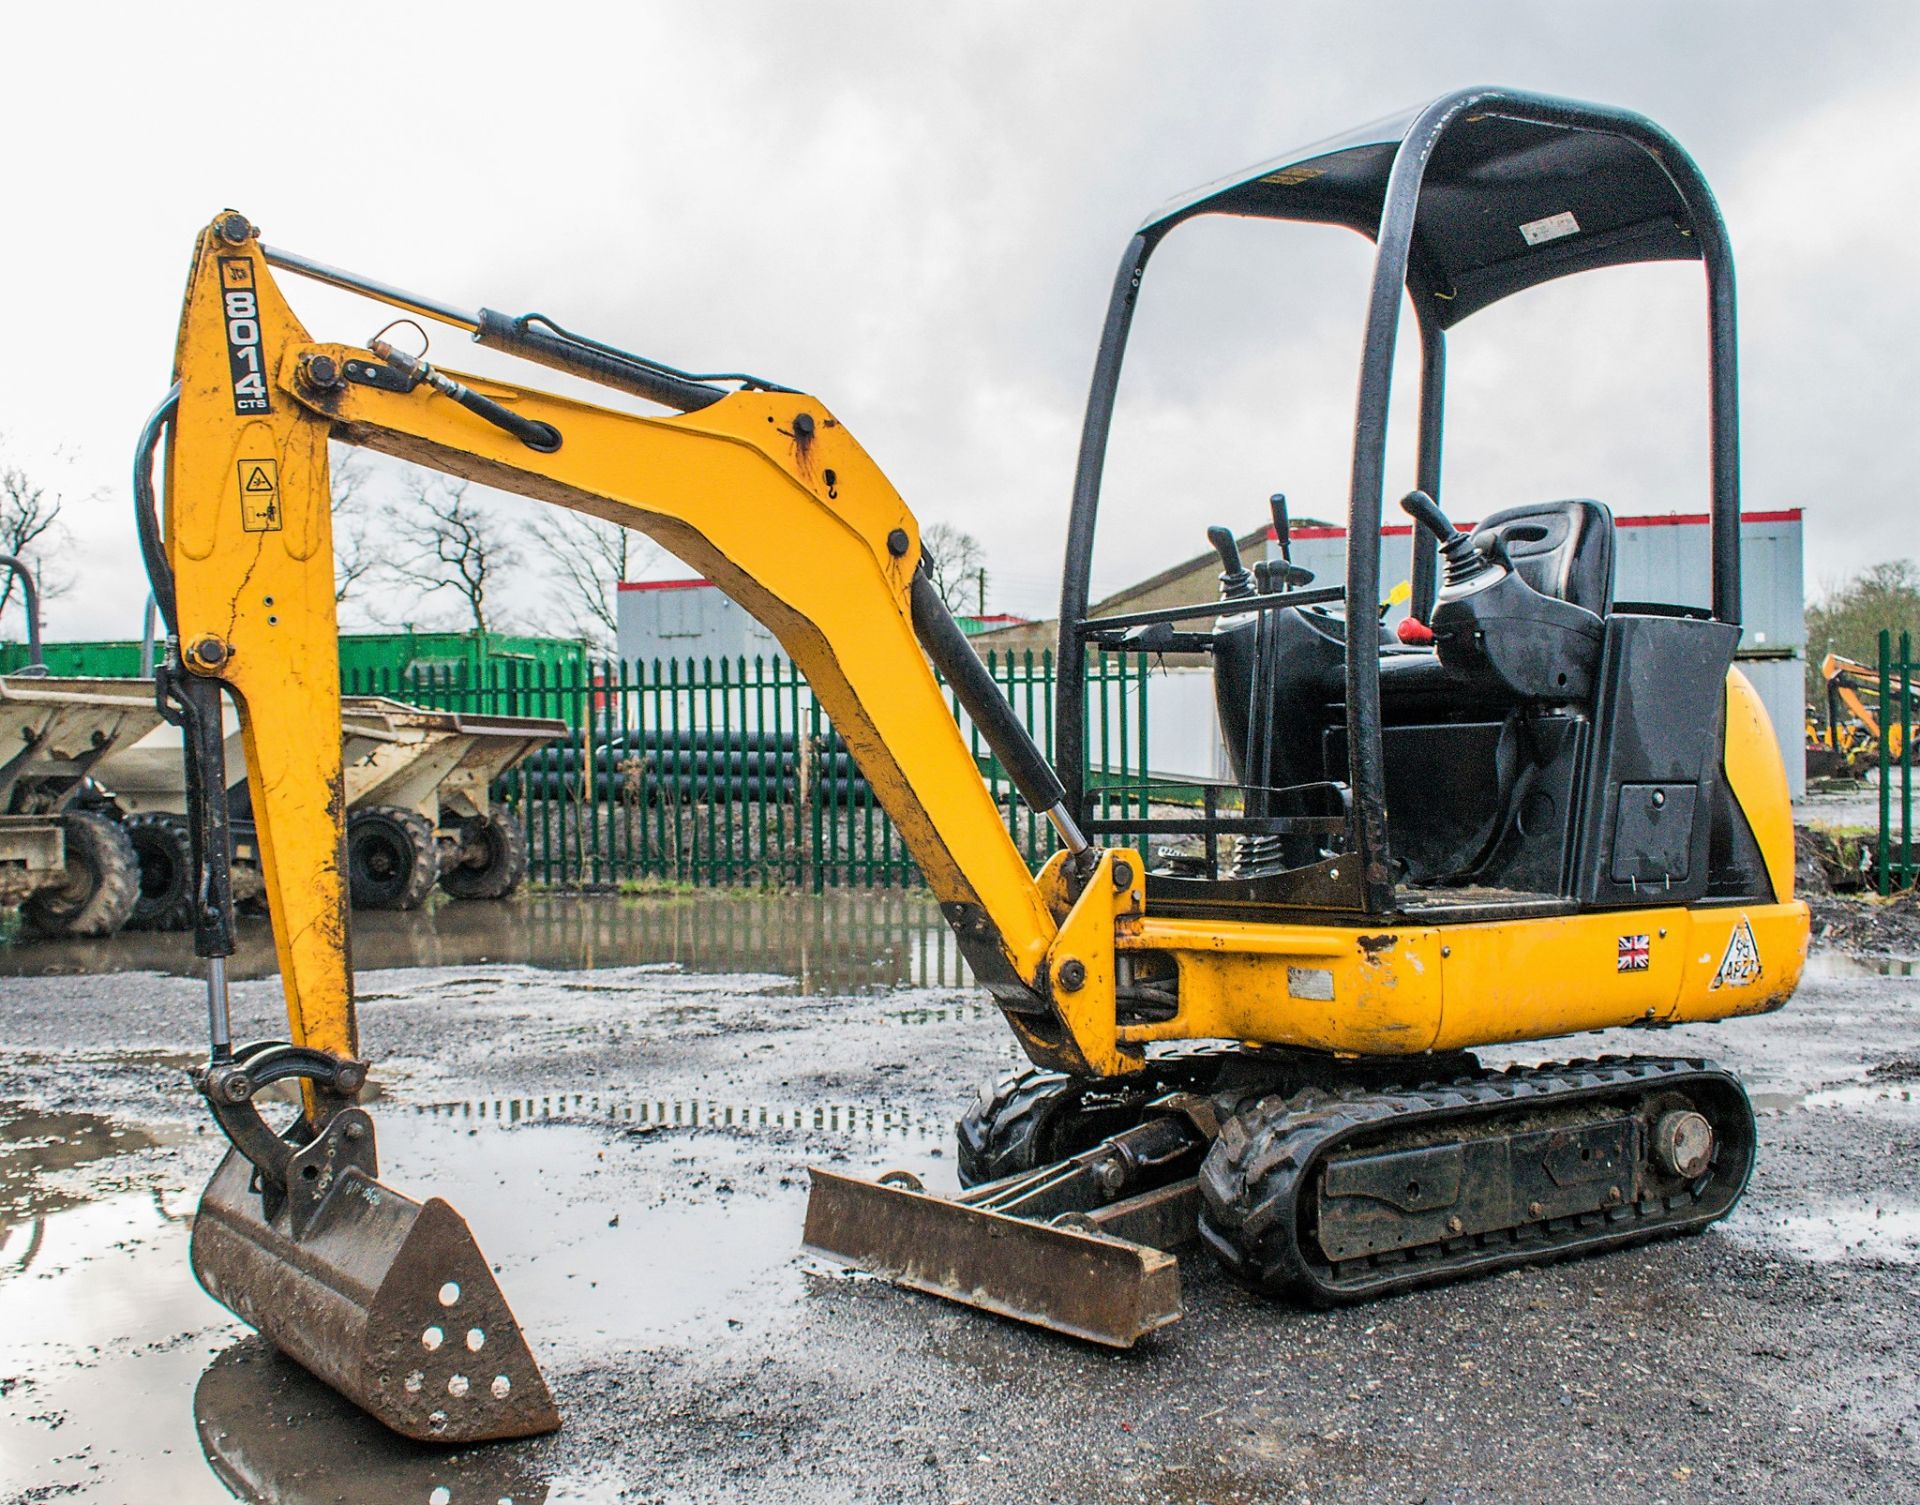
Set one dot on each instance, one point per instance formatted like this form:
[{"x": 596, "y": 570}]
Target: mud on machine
[{"x": 1536, "y": 811}]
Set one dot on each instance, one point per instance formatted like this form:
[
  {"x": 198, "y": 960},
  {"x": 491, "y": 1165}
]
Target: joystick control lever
[
  {"x": 1236, "y": 580},
  {"x": 1463, "y": 561}
]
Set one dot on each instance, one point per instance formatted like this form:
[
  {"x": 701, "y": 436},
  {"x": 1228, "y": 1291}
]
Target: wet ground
[{"x": 623, "y": 1105}]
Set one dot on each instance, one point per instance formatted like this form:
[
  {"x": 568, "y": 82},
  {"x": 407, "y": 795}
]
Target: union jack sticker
[{"x": 1635, "y": 954}]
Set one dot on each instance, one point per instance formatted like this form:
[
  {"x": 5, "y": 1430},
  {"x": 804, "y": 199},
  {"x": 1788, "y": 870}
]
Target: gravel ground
[{"x": 628, "y": 1144}]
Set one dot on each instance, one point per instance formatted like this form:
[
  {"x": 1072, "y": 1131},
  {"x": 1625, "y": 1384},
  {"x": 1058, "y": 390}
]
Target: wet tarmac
[{"x": 623, "y": 1109}]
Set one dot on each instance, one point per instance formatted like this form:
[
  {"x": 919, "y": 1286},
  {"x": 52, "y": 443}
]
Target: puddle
[
  {"x": 37, "y": 1148},
  {"x": 954, "y": 1013},
  {"x": 273, "y": 1433},
  {"x": 834, "y": 943},
  {"x": 1897, "y": 1097},
  {"x": 1888, "y": 1235},
  {"x": 606, "y": 1244},
  {"x": 102, "y": 1339},
  {"x": 1842, "y": 965}
]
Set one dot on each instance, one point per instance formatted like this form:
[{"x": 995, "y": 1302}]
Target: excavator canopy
[{"x": 1505, "y": 203}]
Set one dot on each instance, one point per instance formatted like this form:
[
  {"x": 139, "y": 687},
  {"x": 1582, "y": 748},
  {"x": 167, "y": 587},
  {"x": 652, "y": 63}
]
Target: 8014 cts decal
[{"x": 241, "y": 308}]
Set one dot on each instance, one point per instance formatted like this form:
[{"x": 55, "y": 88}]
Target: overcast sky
[{"x": 914, "y": 212}]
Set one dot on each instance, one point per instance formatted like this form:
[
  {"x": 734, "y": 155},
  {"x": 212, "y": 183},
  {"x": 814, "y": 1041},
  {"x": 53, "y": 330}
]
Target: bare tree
[
  {"x": 29, "y": 525},
  {"x": 354, "y": 556},
  {"x": 453, "y": 544},
  {"x": 590, "y": 558},
  {"x": 956, "y": 562}
]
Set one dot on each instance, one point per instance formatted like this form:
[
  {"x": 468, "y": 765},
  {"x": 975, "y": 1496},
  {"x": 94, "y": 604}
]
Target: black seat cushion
[{"x": 1562, "y": 549}]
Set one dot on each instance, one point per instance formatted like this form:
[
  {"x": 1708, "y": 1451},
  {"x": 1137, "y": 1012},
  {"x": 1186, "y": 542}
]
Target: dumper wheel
[
  {"x": 392, "y": 858},
  {"x": 102, "y": 880},
  {"x": 1034, "y": 1117},
  {"x": 495, "y": 861},
  {"x": 163, "y": 847}
]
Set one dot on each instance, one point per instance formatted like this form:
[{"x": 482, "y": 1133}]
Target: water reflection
[
  {"x": 1844, "y": 964},
  {"x": 35, "y": 1144},
  {"x": 855, "y": 1120},
  {"x": 273, "y": 1433},
  {"x": 838, "y": 942}
]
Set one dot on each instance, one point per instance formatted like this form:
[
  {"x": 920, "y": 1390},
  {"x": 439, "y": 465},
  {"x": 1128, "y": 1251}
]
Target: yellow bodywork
[{"x": 797, "y": 523}]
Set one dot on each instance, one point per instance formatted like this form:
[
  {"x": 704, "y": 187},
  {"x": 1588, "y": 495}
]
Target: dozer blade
[
  {"x": 386, "y": 1299},
  {"x": 1089, "y": 1285}
]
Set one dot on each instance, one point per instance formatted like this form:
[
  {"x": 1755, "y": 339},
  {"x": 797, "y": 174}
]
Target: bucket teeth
[{"x": 387, "y": 1299}]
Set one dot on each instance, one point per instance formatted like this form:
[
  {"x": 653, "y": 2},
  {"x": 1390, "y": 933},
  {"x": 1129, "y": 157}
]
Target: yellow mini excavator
[
  {"x": 1850, "y": 742},
  {"x": 1533, "y": 810}
]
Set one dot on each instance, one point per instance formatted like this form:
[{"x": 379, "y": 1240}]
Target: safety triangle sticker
[{"x": 1741, "y": 964}]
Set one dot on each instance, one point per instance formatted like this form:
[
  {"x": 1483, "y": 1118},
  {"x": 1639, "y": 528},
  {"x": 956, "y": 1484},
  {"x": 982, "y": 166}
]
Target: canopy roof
[{"x": 1505, "y": 203}]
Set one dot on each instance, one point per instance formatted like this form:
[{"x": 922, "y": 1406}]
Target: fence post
[
  {"x": 1906, "y": 759},
  {"x": 816, "y": 814},
  {"x": 1883, "y": 852}
]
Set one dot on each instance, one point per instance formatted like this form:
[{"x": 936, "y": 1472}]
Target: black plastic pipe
[{"x": 30, "y": 599}]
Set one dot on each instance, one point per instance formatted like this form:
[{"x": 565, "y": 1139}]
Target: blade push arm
[{"x": 764, "y": 492}]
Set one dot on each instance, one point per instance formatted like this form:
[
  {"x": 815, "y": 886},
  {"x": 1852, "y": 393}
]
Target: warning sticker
[
  {"x": 260, "y": 496},
  {"x": 1288, "y": 176},
  {"x": 1741, "y": 964},
  {"x": 1538, "y": 231}
]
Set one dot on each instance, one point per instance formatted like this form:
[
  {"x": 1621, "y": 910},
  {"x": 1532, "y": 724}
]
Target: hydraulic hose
[
  {"x": 954, "y": 657},
  {"x": 146, "y": 511}
]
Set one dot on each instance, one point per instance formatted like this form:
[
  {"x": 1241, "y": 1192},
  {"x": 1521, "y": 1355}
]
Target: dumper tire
[
  {"x": 393, "y": 859},
  {"x": 163, "y": 848},
  {"x": 504, "y": 840},
  {"x": 103, "y": 881}
]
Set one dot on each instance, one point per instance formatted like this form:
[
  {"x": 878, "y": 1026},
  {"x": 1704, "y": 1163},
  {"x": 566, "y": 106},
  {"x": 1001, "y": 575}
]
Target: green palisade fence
[
  {"x": 1894, "y": 854},
  {"x": 727, "y": 772}
]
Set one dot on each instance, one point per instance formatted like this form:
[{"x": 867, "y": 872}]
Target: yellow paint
[
  {"x": 1400, "y": 990},
  {"x": 1105, "y": 910},
  {"x": 266, "y": 596},
  {"x": 741, "y": 492},
  {"x": 1758, "y": 780},
  {"x": 1234, "y": 984},
  {"x": 735, "y": 491}
]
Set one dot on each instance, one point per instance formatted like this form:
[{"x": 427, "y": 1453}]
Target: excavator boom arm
[{"x": 765, "y": 493}]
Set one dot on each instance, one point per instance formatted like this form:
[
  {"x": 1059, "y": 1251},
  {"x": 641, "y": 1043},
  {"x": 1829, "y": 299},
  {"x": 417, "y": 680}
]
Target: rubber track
[{"x": 1258, "y": 1178}]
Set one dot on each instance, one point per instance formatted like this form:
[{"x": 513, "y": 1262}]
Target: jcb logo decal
[{"x": 241, "y": 309}]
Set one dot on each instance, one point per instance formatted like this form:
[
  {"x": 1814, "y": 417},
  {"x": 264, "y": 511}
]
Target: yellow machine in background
[
  {"x": 1553, "y": 815},
  {"x": 1850, "y": 742}
]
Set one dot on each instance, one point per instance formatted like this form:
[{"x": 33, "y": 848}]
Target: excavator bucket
[{"x": 384, "y": 1298}]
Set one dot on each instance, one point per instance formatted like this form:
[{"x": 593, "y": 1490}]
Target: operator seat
[
  {"x": 1562, "y": 549},
  {"x": 1447, "y": 730}
]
